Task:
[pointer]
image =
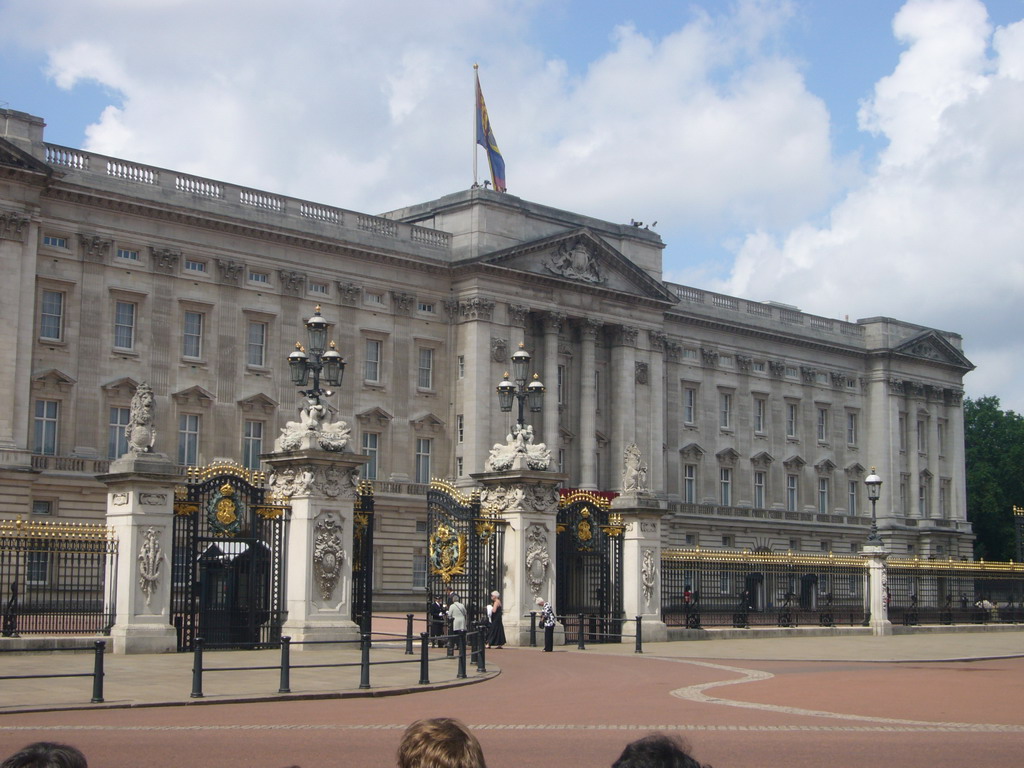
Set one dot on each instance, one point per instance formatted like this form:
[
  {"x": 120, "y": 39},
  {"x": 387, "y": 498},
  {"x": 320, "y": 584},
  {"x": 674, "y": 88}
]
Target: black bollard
[
  {"x": 364, "y": 662},
  {"x": 424, "y": 659},
  {"x": 580, "y": 641},
  {"x": 533, "y": 629},
  {"x": 481, "y": 664},
  {"x": 461, "y": 640},
  {"x": 97, "y": 673},
  {"x": 286, "y": 665},
  {"x": 197, "y": 670},
  {"x": 639, "y": 635},
  {"x": 408, "y": 634}
]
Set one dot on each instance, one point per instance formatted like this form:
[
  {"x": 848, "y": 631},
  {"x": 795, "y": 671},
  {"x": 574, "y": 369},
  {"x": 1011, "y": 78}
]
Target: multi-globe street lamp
[
  {"x": 874, "y": 484},
  {"x": 532, "y": 393},
  {"x": 318, "y": 358}
]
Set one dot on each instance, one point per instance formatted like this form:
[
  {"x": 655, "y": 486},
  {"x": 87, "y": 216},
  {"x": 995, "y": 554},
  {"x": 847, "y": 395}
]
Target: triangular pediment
[
  {"x": 762, "y": 460},
  {"x": 259, "y": 402},
  {"x": 933, "y": 347},
  {"x": 12, "y": 156},
  {"x": 855, "y": 470},
  {"x": 727, "y": 457},
  {"x": 794, "y": 462},
  {"x": 195, "y": 395},
  {"x": 375, "y": 417},
  {"x": 52, "y": 379},
  {"x": 825, "y": 466},
  {"x": 581, "y": 258},
  {"x": 123, "y": 387},
  {"x": 691, "y": 451},
  {"x": 428, "y": 423}
]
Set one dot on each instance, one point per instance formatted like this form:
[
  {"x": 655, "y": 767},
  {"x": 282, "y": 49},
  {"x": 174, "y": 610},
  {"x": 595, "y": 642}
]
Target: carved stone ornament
[
  {"x": 313, "y": 431},
  {"x": 634, "y": 470},
  {"x": 230, "y": 271},
  {"x": 476, "y": 309},
  {"x": 328, "y": 555},
  {"x": 744, "y": 363},
  {"x": 164, "y": 259},
  {"x": 642, "y": 373},
  {"x": 152, "y": 499},
  {"x": 574, "y": 260},
  {"x": 709, "y": 357},
  {"x": 648, "y": 575},
  {"x": 13, "y": 226},
  {"x": 334, "y": 483},
  {"x": 517, "y": 315},
  {"x": 518, "y": 452},
  {"x": 120, "y": 499},
  {"x": 348, "y": 293},
  {"x": 94, "y": 247},
  {"x": 808, "y": 374},
  {"x": 150, "y": 558},
  {"x": 291, "y": 282},
  {"x": 537, "y": 558},
  {"x": 777, "y": 368},
  {"x": 141, "y": 430},
  {"x": 499, "y": 350},
  {"x": 291, "y": 481},
  {"x": 402, "y": 302}
]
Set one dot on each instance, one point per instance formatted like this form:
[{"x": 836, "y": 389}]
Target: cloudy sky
[{"x": 852, "y": 157}]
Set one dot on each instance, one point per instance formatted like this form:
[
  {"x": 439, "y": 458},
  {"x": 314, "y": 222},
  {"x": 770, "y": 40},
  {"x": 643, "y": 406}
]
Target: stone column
[
  {"x": 656, "y": 382},
  {"x": 587, "y": 438},
  {"x": 322, "y": 488},
  {"x": 878, "y": 594},
  {"x": 641, "y": 561},
  {"x": 18, "y": 238},
  {"x": 140, "y": 510},
  {"x": 553, "y": 322},
  {"x": 528, "y": 500},
  {"x": 623, "y": 382}
]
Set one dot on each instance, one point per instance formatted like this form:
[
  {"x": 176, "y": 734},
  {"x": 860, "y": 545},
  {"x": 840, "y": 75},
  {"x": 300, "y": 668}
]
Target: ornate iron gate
[
  {"x": 589, "y": 567},
  {"x": 227, "y": 564},
  {"x": 362, "y": 558},
  {"x": 464, "y": 548}
]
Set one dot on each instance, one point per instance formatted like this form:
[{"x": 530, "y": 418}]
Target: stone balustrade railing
[{"x": 259, "y": 203}]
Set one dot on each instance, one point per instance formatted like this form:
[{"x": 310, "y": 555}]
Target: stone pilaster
[
  {"x": 322, "y": 489},
  {"x": 528, "y": 501},
  {"x": 588, "y": 404},
  {"x": 140, "y": 510},
  {"x": 641, "y": 560},
  {"x": 553, "y": 322},
  {"x": 878, "y": 589}
]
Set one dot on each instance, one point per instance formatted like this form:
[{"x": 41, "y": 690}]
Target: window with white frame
[
  {"x": 725, "y": 410},
  {"x": 458, "y": 466},
  {"x": 373, "y": 297},
  {"x": 370, "y": 445},
  {"x": 192, "y": 335},
  {"x": 425, "y": 306},
  {"x": 561, "y": 459},
  {"x": 55, "y": 241},
  {"x": 792, "y": 492},
  {"x": 563, "y": 385},
  {"x": 37, "y": 567},
  {"x": 194, "y": 265},
  {"x": 425, "y": 369},
  {"x": 315, "y": 286},
  {"x": 128, "y": 254},
  {"x": 905, "y": 493},
  {"x": 597, "y": 389},
  {"x": 792, "y": 413},
  {"x": 419, "y": 570},
  {"x": 51, "y": 315},
  {"x": 760, "y": 415},
  {"x": 124, "y": 324},
  {"x": 117, "y": 432},
  {"x": 371, "y": 364},
  {"x": 260, "y": 278},
  {"x": 922, "y": 436},
  {"x": 252, "y": 444},
  {"x": 460, "y": 428},
  {"x": 944, "y": 485},
  {"x": 725, "y": 484},
  {"x": 901, "y": 428},
  {"x": 940, "y": 435},
  {"x": 42, "y": 507},
  {"x": 461, "y": 365},
  {"x": 822, "y": 425},
  {"x": 853, "y": 497},
  {"x": 423, "y": 448},
  {"x": 690, "y": 483},
  {"x": 760, "y": 485},
  {"x": 823, "y": 495},
  {"x": 188, "y": 439},
  {"x": 45, "y": 423},
  {"x": 256, "y": 344},
  {"x": 851, "y": 428},
  {"x": 923, "y": 493},
  {"x": 689, "y": 405}
]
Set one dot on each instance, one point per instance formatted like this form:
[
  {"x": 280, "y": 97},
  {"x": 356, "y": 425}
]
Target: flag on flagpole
[{"x": 485, "y": 138}]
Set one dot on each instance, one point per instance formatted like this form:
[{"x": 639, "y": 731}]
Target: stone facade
[{"x": 758, "y": 422}]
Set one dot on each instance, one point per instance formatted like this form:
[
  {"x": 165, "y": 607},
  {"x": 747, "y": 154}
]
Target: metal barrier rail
[
  {"x": 591, "y": 633},
  {"x": 99, "y": 647}
]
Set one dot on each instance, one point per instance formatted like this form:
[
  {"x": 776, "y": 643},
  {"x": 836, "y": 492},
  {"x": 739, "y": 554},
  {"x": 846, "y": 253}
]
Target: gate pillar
[
  {"x": 878, "y": 589},
  {"x": 322, "y": 488},
  {"x": 641, "y": 515},
  {"x": 140, "y": 510},
  {"x": 528, "y": 501}
]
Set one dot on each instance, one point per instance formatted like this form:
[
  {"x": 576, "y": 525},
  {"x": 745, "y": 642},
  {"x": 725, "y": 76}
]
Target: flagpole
[{"x": 476, "y": 117}]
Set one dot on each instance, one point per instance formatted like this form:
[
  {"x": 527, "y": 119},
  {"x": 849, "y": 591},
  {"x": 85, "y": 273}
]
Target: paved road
[{"x": 580, "y": 707}]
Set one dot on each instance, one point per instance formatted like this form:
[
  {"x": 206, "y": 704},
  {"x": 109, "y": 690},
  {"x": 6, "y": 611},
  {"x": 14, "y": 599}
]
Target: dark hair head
[
  {"x": 46, "y": 754},
  {"x": 656, "y": 751}
]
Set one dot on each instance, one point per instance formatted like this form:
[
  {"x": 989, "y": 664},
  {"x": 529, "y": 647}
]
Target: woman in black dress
[{"x": 496, "y": 636}]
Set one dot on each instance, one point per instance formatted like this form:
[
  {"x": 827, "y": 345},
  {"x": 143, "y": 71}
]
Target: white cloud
[{"x": 936, "y": 229}]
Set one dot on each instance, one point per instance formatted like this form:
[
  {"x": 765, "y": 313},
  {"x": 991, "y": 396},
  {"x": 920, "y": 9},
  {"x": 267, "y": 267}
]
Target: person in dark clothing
[
  {"x": 437, "y": 613},
  {"x": 46, "y": 754},
  {"x": 547, "y": 620},
  {"x": 656, "y": 751}
]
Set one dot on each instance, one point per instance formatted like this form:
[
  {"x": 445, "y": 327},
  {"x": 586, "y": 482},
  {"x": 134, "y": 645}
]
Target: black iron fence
[
  {"x": 57, "y": 578},
  {"x": 954, "y": 592},
  {"x": 715, "y": 588}
]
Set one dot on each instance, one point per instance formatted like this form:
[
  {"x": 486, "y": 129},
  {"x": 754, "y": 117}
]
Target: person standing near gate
[
  {"x": 496, "y": 632},
  {"x": 547, "y": 620},
  {"x": 437, "y": 613},
  {"x": 460, "y": 619}
]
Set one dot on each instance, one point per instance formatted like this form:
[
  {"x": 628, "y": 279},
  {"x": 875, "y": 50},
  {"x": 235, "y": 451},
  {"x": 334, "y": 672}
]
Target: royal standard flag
[{"x": 485, "y": 138}]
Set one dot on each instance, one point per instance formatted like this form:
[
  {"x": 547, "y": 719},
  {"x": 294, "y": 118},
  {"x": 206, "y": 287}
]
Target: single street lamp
[
  {"x": 874, "y": 484},
  {"x": 520, "y": 390},
  {"x": 317, "y": 358}
]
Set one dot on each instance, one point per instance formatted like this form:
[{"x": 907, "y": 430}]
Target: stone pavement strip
[{"x": 166, "y": 679}]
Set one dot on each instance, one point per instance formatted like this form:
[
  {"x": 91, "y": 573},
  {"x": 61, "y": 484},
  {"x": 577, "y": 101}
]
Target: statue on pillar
[
  {"x": 141, "y": 430},
  {"x": 313, "y": 430},
  {"x": 634, "y": 471},
  {"x": 518, "y": 452}
]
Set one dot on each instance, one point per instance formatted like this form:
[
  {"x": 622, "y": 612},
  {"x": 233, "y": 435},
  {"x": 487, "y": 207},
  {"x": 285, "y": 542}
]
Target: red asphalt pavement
[{"x": 580, "y": 708}]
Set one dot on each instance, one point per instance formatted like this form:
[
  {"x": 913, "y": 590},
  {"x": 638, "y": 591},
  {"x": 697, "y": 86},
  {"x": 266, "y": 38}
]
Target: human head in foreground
[
  {"x": 656, "y": 751},
  {"x": 440, "y": 742},
  {"x": 46, "y": 754}
]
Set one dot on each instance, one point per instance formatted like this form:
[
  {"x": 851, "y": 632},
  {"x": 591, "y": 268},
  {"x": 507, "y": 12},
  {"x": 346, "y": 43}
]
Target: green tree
[{"x": 995, "y": 475}]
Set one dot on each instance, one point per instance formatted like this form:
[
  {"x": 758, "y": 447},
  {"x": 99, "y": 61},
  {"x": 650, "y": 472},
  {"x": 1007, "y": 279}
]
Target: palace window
[
  {"x": 690, "y": 483},
  {"x": 124, "y": 324},
  {"x": 256, "y": 345},
  {"x": 760, "y": 414},
  {"x": 188, "y": 439},
  {"x": 425, "y": 369},
  {"x": 423, "y": 447},
  {"x": 252, "y": 444},
  {"x": 791, "y": 419},
  {"x": 117, "y": 432},
  {"x": 51, "y": 316},
  {"x": 192, "y": 335},
  {"x": 792, "y": 492},
  {"x": 45, "y": 422},
  {"x": 370, "y": 442},
  {"x": 760, "y": 483}
]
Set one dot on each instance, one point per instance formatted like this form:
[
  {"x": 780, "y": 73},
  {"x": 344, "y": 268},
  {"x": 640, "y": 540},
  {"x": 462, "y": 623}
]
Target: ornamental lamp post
[
  {"x": 532, "y": 393},
  {"x": 317, "y": 358},
  {"x": 874, "y": 484}
]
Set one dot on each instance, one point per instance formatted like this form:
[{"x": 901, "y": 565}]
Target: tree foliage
[{"x": 995, "y": 475}]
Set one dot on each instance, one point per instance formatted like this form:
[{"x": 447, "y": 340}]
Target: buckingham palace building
[{"x": 757, "y": 423}]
